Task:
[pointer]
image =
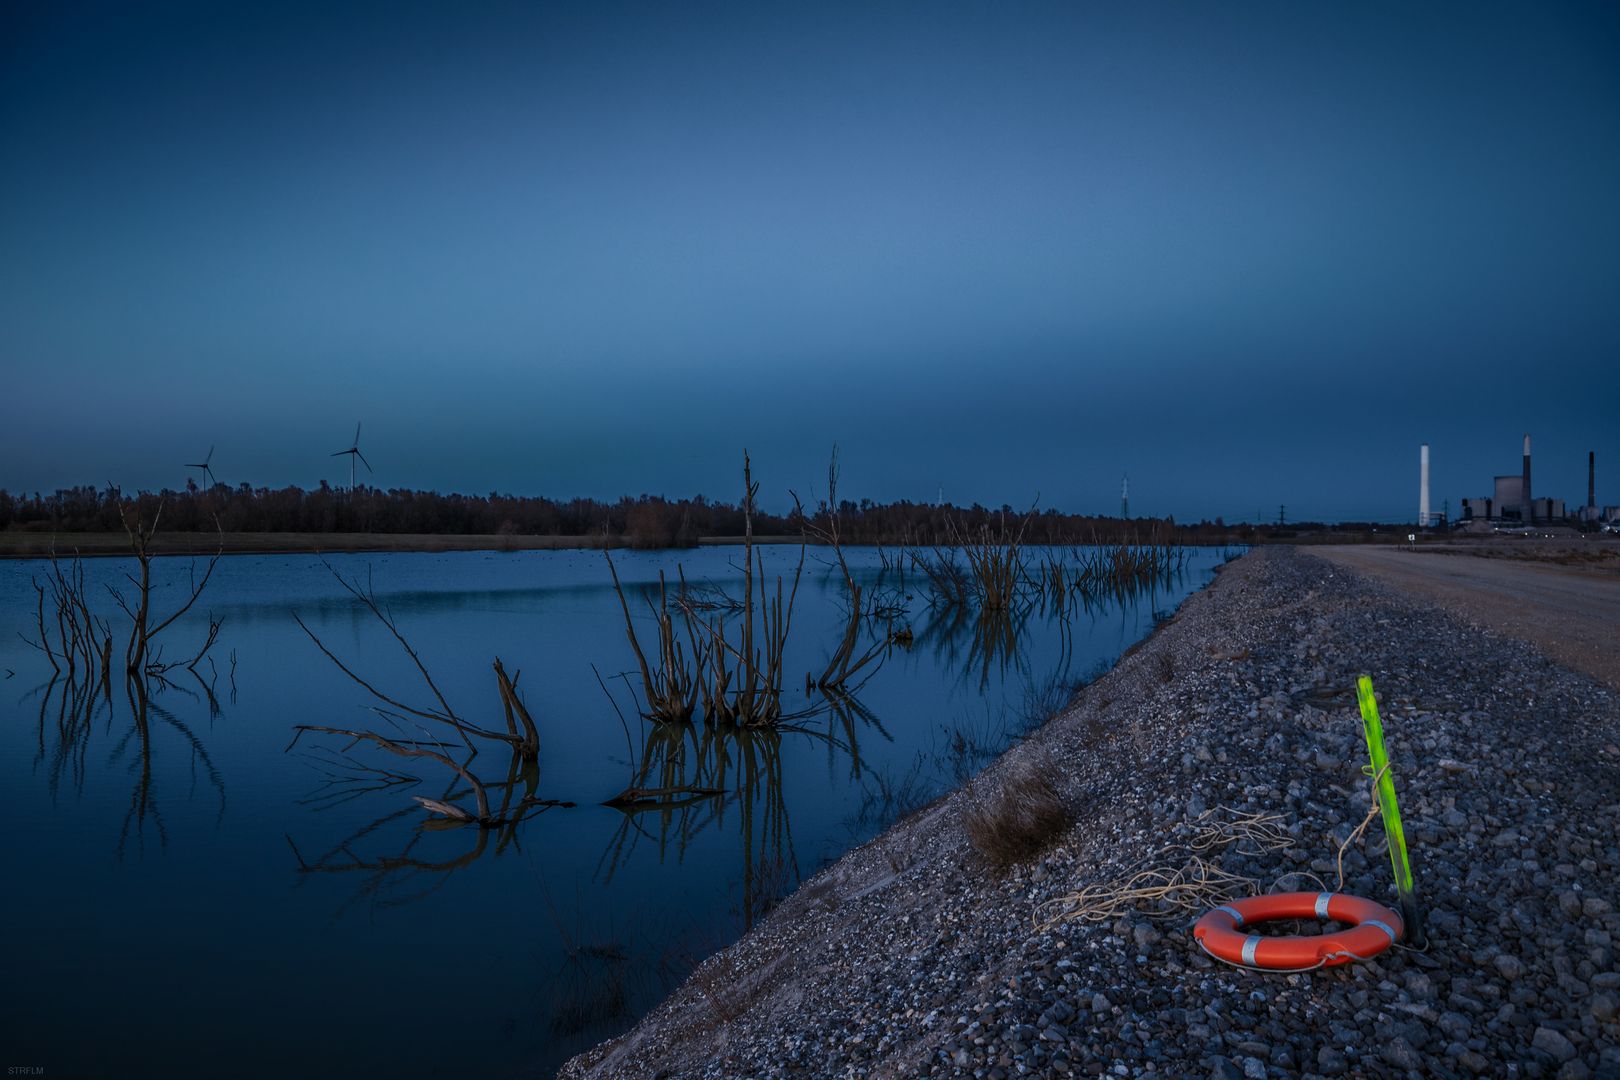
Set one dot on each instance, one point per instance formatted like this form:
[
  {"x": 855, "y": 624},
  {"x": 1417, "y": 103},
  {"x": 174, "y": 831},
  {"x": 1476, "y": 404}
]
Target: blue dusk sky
[{"x": 1251, "y": 254}]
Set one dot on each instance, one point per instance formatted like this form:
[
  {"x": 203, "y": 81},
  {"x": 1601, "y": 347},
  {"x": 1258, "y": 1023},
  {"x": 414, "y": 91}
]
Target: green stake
[{"x": 1404, "y": 884}]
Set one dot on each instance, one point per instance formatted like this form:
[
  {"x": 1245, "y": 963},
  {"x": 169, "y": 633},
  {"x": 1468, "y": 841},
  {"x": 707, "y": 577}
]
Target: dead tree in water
[
  {"x": 521, "y": 733},
  {"x": 82, "y": 637},
  {"x": 997, "y": 567},
  {"x": 521, "y": 737},
  {"x": 671, "y": 689},
  {"x": 947, "y": 581},
  {"x": 84, "y": 640},
  {"x": 144, "y": 626},
  {"x": 737, "y": 682},
  {"x": 827, "y": 526},
  {"x": 757, "y": 701}
]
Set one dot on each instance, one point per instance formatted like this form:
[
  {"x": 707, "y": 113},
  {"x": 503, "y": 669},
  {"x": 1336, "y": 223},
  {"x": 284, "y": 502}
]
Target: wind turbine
[
  {"x": 205, "y": 473},
  {"x": 354, "y": 452}
]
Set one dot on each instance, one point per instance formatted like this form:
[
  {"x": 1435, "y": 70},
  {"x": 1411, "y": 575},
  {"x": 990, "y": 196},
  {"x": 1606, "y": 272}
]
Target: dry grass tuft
[{"x": 1022, "y": 821}]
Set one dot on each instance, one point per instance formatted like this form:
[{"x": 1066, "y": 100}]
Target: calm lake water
[{"x": 197, "y": 901}]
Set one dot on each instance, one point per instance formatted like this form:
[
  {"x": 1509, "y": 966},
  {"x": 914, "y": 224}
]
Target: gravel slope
[{"x": 909, "y": 957}]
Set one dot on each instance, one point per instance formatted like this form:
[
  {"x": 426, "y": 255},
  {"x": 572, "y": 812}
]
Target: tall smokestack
[
  {"x": 1591, "y": 479},
  {"x": 1423, "y": 487},
  {"x": 1527, "y": 513}
]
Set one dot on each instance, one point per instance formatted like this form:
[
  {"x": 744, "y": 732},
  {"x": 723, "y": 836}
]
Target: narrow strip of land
[
  {"x": 912, "y": 956},
  {"x": 1570, "y": 613},
  {"x": 37, "y": 545}
]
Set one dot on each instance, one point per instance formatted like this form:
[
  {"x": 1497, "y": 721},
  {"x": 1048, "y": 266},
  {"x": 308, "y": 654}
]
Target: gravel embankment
[{"x": 909, "y": 957}]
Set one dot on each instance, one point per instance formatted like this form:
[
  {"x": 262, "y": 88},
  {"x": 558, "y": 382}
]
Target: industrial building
[
  {"x": 1512, "y": 500},
  {"x": 1509, "y": 498}
]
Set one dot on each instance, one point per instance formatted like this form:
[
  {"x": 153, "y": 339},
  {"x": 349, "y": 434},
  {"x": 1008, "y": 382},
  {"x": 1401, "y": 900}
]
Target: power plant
[{"x": 1512, "y": 502}]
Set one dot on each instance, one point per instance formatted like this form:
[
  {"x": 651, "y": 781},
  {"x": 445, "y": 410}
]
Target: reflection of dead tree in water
[
  {"x": 486, "y": 814},
  {"x": 78, "y": 707},
  {"x": 691, "y": 777},
  {"x": 143, "y": 805},
  {"x": 81, "y": 656},
  {"x": 977, "y": 643},
  {"x": 589, "y": 989},
  {"x": 602, "y": 978},
  {"x": 514, "y": 801},
  {"x": 383, "y": 875},
  {"x": 521, "y": 736},
  {"x": 845, "y": 710}
]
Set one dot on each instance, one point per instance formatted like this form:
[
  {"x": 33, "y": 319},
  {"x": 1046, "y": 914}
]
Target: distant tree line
[{"x": 646, "y": 521}]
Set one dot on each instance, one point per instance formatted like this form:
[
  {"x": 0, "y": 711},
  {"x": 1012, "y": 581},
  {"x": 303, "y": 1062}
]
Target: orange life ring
[{"x": 1375, "y": 928}]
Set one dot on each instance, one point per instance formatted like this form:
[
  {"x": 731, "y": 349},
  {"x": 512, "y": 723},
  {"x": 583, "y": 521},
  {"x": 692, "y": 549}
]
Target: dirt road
[{"x": 1571, "y": 614}]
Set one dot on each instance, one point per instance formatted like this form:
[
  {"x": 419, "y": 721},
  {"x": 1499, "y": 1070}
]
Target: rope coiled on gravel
[{"x": 1168, "y": 892}]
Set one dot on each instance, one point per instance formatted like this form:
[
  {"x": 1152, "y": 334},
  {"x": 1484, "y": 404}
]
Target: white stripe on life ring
[{"x": 1382, "y": 926}]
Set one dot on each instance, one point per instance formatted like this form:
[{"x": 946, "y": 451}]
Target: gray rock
[
  {"x": 1553, "y": 1043},
  {"x": 1454, "y": 1026},
  {"x": 1401, "y": 1053},
  {"x": 1332, "y": 1062}
]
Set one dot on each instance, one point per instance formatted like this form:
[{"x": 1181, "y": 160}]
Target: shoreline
[
  {"x": 32, "y": 545},
  {"x": 1596, "y": 556},
  {"x": 909, "y": 956},
  {"x": 28, "y": 545}
]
